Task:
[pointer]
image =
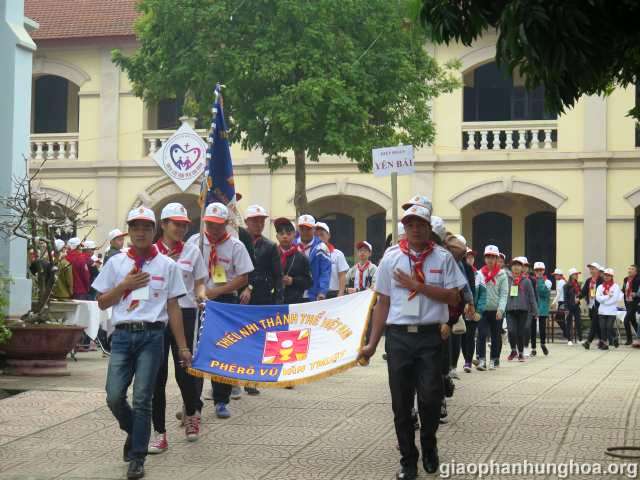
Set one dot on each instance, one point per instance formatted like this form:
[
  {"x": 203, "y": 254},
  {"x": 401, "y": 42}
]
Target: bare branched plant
[{"x": 34, "y": 215}]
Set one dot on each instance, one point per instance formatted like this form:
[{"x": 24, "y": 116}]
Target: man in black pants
[
  {"x": 296, "y": 272},
  {"x": 265, "y": 282},
  {"x": 589, "y": 295},
  {"x": 630, "y": 287},
  {"x": 415, "y": 282},
  {"x": 229, "y": 266}
]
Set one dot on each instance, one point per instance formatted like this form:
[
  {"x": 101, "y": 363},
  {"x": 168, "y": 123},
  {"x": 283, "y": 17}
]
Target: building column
[
  {"x": 106, "y": 182},
  {"x": 260, "y": 194},
  {"x": 569, "y": 251},
  {"x": 595, "y": 211},
  {"x": 16, "y": 57}
]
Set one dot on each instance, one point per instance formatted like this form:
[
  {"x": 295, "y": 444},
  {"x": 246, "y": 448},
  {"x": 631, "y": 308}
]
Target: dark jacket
[
  {"x": 571, "y": 299},
  {"x": 110, "y": 253},
  {"x": 266, "y": 278},
  {"x": 456, "y": 311},
  {"x": 585, "y": 291},
  {"x": 635, "y": 285},
  {"x": 298, "y": 268}
]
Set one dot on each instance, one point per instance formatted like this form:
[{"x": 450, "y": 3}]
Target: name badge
[
  {"x": 218, "y": 274},
  {"x": 411, "y": 308},
  {"x": 140, "y": 294},
  {"x": 592, "y": 293},
  {"x": 514, "y": 291}
]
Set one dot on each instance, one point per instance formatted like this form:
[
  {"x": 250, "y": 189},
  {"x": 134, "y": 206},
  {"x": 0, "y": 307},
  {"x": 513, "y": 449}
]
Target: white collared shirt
[
  {"x": 338, "y": 265},
  {"x": 165, "y": 283},
  {"x": 439, "y": 269},
  {"x": 193, "y": 268},
  {"x": 232, "y": 255}
]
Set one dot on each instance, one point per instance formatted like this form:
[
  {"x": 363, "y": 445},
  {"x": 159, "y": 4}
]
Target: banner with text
[{"x": 281, "y": 345}]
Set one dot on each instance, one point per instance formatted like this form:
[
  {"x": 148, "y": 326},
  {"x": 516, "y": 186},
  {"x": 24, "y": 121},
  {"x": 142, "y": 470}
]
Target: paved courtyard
[{"x": 570, "y": 405}]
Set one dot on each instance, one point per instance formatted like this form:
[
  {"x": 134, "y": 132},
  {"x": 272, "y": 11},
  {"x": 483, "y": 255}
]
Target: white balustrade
[
  {"x": 54, "y": 146},
  {"x": 524, "y": 135},
  {"x": 155, "y": 139}
]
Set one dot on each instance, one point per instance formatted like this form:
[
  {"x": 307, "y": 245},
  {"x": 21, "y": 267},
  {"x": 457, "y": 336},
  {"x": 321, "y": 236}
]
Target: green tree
[
  {"x": 318, "y": 77},
  {"x": 573, "y": 48}
]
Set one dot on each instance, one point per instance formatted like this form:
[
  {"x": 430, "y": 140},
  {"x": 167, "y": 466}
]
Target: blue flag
[{"x": 220, "y": 184}]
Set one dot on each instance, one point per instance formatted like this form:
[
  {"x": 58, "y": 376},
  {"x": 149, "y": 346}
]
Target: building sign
[
  {"x": 393, "y": 160},
  {"x": 183, "y": 156}
]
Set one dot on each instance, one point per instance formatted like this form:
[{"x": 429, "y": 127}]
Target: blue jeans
[{"x": 136, "y": 354}]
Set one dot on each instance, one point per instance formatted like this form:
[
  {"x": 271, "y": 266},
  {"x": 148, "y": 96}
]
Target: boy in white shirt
[
  {"x": 608, "y": 294},
  {"x": 361, "y": 275},
  {"x": 174, "y": 223},
  {"x": 143, "y": 288},
  {"x": 229, "y": 265}
]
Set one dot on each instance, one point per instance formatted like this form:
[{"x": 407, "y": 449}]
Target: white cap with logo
[
  {"x": 609, "y": 271},
  {"x": 491, "y": 250},
  {"x": 539, "y": 266},
  {"x": 323, "y": 226},
  {"x": 116, "y": 233},
  {"x": 417, "y": 211},
  {"x": 176, "y": 212},
  {"x": 419, "y": 200},
  {"x": 573, "y": 271},
  {"x": 557, "y": 271},
  {"x": 306, "y": 221},
  {"x": 141, "y": 213},
  {"x": 89, "y": 245},
  {"x": 255, "y": 211},
  {"x": 58, "y": 244},
  {"x": 74, "y": 243},
  {"x": 216, "y": 213}
]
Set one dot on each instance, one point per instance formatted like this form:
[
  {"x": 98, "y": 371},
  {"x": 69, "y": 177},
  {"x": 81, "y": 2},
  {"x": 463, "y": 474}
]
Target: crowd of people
[{"x": 432, "y": 305}]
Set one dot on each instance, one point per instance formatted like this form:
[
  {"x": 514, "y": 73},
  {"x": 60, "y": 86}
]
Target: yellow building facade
[{"x": 564, "y": 190}]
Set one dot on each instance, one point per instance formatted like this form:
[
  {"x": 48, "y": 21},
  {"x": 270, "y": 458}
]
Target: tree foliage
[
  {"x": 571, "y": 47},
  {"x": 320, "y": 77}
]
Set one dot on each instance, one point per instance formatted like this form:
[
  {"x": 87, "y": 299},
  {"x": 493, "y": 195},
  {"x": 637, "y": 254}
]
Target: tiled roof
[{"x": 60, "y": 19}]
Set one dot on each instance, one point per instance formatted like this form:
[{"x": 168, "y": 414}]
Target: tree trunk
[{"x": 300, "y": 197}]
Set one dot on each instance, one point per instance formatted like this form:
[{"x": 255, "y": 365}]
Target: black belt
[
  {"x": 415, "y": 328},
  {"x": 140, "y": 326}
]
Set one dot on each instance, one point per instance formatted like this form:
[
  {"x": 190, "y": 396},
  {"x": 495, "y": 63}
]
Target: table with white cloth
[{"x": 85, "y": 313}]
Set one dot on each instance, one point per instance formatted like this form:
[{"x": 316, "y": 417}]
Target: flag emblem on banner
[{"x": 286, "y": 346}]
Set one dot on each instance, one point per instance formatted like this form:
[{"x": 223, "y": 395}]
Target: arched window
[
  {"x": 342, "y": 232},
  {"x": 540, "y": 238},
  {"x": 492, "y": 95},
  {"x": 55, "y": 105},
  {"x": 492, "y": 228}
]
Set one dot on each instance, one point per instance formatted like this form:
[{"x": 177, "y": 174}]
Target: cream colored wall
[
  {"x": 569, "y": 250},
  {"x": 130, "y": 127},
  {"x": 619, "y": 183},
  {"x": 620, "y": 237},
  {"x": 620, "y": 127}
]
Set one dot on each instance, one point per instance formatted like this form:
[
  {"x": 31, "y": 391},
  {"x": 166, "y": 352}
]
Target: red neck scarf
[
  {"x": 362, "y": 269},
  {"x": 576, "y": 286},
  {"x": 490, "y": 275},
  {"x": 303, "y": 247},
  {"x": 139, "y": 261},
  {"x": 593, "y": 282},
  {"x": 284, "y": 254},
  {"x": 331, "y": 247},
  {"x": 518, "y": 279},
  {"x": 418, "y": 262},
  {"x": 174, "y": 253},
  {"x": 606, "y": 286},
  {"x": 628, "y": 291},
  {"x": 213, "y": 252},
  {"x": 256, "y": 239}
]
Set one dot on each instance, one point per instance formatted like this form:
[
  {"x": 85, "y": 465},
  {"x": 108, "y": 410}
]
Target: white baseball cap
[
  {"x": 438, "y": 227},
  {"x": 216, "y": 213},
  {"x": 255, "y": 211},
  {"x": 462, "y": 239},
  {"x": 419, "y": 200},
  {"x": 74, "y": 243},
  {"x": 58, "y": 244},
  {"x": 525, "y": 260},
  {"x": 306, "y": 221},
  {"x": 519, "y": 260},
  {"x": 116, "y": 233},
  {"x": 364, "y": 244},
  {"x": 573, "y": 271},
  {"x": 491, "y": 250},
  {"x": 539, "y": 266},
  {"x": 417, "y": 211},
  {"x": 323, "y": 226},
  {"x": 502, "y": 255},
  {"x": 401, "y": 229},
  {"x": 141, "y": 213},
  {"x": 609, "y": 271},
  {"x": 594, "y": 265},
  {"x": 557, "y": 271},
  {"x": 176, "y": 212},
  {"x": 89, "y": 245}
]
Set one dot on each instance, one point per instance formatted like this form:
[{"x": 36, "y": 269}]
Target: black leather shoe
[
  {"x": 126, "y": 449},
  {"x": 136, "y": 469},
  {"x": 406, "y": 473},
  {"x": 430, "y": 460}
]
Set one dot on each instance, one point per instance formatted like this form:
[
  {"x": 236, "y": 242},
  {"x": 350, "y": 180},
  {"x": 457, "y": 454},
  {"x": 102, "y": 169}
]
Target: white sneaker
[
  {"x": 236, "y": 393},
  {"x": 492, "y": 364},
  {"x": 454, "y": 374},
  {"x": 208, "y": 395},
  {"x": 570, "y": 343},
  {"x": 526, "y": 352}
]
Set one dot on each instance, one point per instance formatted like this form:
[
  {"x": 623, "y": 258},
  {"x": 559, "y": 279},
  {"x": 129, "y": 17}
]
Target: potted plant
[{"x": 39, "y": 341}]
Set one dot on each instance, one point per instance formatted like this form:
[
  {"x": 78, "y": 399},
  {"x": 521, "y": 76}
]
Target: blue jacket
[{"x": 320, "y": 262}]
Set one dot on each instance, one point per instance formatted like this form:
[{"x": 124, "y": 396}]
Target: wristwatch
[{"x": 250, "y": 287}]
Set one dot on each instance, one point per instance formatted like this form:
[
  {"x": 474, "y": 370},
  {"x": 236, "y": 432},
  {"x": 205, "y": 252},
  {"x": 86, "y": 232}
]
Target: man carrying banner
[
  {"x": 296, "y": 272},
  {"x": 174, "y": 223},
  {"x": 229, "y": 266},
  {"x": 319, "y": 260},
  {"x": 143, "y": 288},
  {"x": 416, "y": 281}
]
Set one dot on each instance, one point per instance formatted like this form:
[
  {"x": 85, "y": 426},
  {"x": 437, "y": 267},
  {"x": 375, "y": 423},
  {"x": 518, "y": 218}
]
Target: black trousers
[
  {"x": 629, "y": 320},
  {"x": 489, "y": 324},
  {"x": 573, "y": 323},
  {"x": 594, "y": 331},
  {"x": 517, "y": 327},
  {"x": 469, "y": 340},
  {"x": 188, "y": 385},
  {"x": 455, "y": 346},
  {"x": 414, "y": 363},
  {"x": 560, "y": 319},
  {"x": 542, "y": 326},
  {"x": 607, "y": 332}
]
